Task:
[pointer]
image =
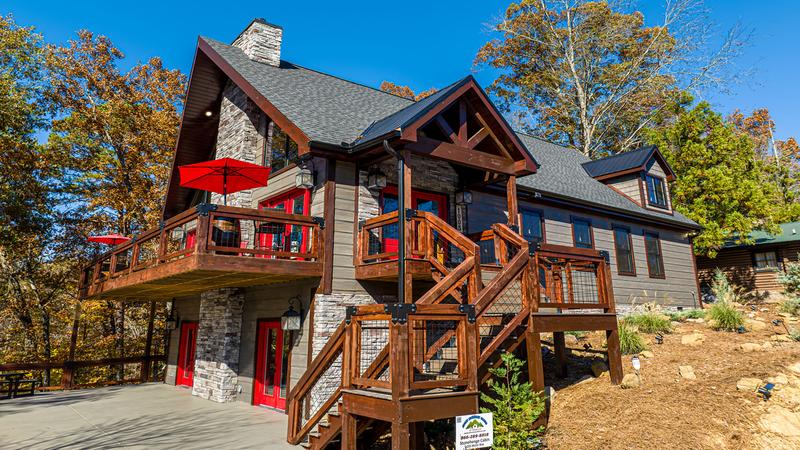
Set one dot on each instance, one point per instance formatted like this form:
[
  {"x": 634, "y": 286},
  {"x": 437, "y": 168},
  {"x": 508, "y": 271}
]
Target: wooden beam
[
  {"x": 446, "y": 129},
  {"x": 462, "y": 122},
  {"x": 478, "y": 137},
  {"x": 330, "y": 225},
  {"x": 511, "y": 198},
  {"x": 462, "y": 155},
  {"x": 494, "y": 137}
]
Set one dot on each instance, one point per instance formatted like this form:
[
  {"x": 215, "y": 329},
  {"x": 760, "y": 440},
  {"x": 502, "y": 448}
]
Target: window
[
  {"x": 766, "y": 261},
  {"x": 624, "y": 251},
  {"x": 283, "y": 150},
  {"x": 655, "y": 260},
  {"x": 532, "y": 225},
  {"x": 656, "y": 191},
  {"x": 582, "y": 233}
]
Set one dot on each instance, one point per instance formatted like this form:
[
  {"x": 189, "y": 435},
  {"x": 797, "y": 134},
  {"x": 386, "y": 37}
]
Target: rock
[
  {"x": 794, "y": 367},
  {"x": 781, "y": 338},
  {"x": 748, "y": 384},
  {"x": 780, "y": 420},
  {"x": 687, "y": 372},
  {"x": 570, "y": 339},
  {"x": 778, "y": 379},
  {"x": 630, "y": 381},
  {"x": 785, "y": 314},
  {"x": 599, "y": 368},
  {"x": 698, "y": 320},
  {"x": 647, "y": 354},
  {"x": 755, "y": 325},
  {"x": 750, "y": 347},
  {"x": 766, "y": 346},
  {"x": 693, "y": 339}
]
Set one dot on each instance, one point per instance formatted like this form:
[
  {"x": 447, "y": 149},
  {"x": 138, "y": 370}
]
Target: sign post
[{"x": 474, "y": 431}]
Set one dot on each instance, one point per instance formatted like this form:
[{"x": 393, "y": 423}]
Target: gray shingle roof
[
  {"x": 561, "y": 174},
  {"x": 326, "y": 108},
  {"x": 620, "y": 161}
]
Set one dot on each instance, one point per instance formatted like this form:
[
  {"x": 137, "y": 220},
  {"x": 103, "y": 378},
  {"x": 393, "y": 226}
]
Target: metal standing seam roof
[
  {"x": 335, "y": 111},
  {"x": 790, "y": 232},
  {"x": 620, "y": 161}
]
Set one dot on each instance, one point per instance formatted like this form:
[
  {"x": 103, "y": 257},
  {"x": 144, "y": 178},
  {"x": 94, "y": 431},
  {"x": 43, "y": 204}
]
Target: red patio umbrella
[
  {"x": 224, "y": 176},
  {"x": 110, "y": 239}
]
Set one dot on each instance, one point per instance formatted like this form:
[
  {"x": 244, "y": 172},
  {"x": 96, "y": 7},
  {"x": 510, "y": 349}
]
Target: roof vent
[{"x": 261, "y": 42}]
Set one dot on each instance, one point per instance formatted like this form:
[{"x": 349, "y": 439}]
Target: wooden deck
[{"x": 209, "y": 247}]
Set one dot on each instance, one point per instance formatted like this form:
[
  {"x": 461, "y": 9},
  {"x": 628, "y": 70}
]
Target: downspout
[{"x": 401, "y": 222}]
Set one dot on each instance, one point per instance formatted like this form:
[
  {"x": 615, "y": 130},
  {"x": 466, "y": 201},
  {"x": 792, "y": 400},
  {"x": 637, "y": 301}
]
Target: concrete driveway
[{"x": 151, "y": 416}]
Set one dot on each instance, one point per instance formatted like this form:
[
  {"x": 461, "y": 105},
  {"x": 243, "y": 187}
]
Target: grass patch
[
  {"x": 577, "y": 334},
  {"x": 791, "y": 306},
  {"x": 681, "y": 316},
  {"x": 649, "y": 322},
  {"x": 723, "y": 316},
  {"x": 630, "y": 340}
]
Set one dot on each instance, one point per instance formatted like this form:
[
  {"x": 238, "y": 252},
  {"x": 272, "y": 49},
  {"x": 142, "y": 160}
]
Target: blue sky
[{"x": 424, "y": 44}]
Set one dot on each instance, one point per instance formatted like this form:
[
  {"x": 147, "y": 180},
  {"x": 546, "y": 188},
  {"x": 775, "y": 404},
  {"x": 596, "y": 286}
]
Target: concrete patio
[{"x": 151, "y": 416}]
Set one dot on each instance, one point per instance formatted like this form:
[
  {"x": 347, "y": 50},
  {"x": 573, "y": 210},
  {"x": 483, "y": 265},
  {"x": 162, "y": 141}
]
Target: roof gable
[{"x": 627, "y": 162}]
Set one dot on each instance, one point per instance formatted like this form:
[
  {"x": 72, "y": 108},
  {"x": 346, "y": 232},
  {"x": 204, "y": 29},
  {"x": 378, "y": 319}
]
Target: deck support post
[
  {"x": 561, "y": 354},
  {"x": 349, "y": 431},
  {"x": 401, "y": 435},
  {"x": 614, "y": 356},
  {"x": 533, "y": 344}
]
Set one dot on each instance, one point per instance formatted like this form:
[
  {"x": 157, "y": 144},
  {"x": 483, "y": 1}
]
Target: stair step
[
  {"x": 314, "y": 434},
  {"x": 305, "y": 444}
]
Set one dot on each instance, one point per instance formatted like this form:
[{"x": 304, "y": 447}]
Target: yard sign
[{"x": 474, "y": 431}]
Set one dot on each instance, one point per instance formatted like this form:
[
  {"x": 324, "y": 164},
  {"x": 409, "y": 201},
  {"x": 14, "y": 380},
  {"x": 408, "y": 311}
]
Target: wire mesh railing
[{"x": 570, "y": 278}]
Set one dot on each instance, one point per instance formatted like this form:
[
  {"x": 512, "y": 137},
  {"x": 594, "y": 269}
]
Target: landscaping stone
[
  {"x": 748, "y": 384},
  {"x": 782, "y": 421},
  {"x": 755, "y": 325},
  {"x": 630, "y": 381},
  {"x": 750, "y": 347},
  {"x": 782, "y": 338},
  {"x": 693, "y": 339},
  {"x": 647, "y": 354},
  {"x": 698, "y": 320},
  {"x": 778, "y": 379},
  {"x": 570, "y": 339},
  {"x": 687, "y": 372},
  {"x": 766, "y": 346},
  {"x": 794, "y": 367},
  {"x": 599, "y": 368}
]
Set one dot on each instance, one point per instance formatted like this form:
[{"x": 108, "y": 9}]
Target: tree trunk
[
  {"x": 120, "y": 342},
  {"x": 47, "y": 344}
]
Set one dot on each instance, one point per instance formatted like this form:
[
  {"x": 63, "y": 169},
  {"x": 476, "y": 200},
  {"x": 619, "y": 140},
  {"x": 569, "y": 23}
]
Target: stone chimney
[{"x": 261, "y": 41}]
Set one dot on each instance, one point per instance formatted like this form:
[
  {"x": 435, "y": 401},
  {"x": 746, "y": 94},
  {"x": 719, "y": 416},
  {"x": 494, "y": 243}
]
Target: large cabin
[{"x": 506, "y": 237}]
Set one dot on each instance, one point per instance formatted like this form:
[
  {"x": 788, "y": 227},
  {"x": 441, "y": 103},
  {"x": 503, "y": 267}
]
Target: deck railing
[
  {"x": 212, "y": 229},
  {"x": 573, "y": 278}
]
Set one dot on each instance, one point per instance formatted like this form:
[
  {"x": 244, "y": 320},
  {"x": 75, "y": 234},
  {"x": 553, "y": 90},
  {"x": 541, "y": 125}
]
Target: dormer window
[{"x": 656, "y": 191}]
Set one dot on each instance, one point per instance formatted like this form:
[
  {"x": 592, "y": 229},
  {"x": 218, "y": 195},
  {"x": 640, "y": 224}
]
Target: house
[
  {"x": 503, "y": 237},
  {"x": 756, "y": 266}
]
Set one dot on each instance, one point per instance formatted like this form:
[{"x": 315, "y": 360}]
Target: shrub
[
  {"x": 681, "y": 316},
  {"x": 649, "y": 322},
  {"x": 722, "y": 289},
  {"x": 630, "y": 341},
  {"x": 791, "y": 306},
  {"x": 514, "y": 405},
  {"x": 791, "y": 279},
  {"x": 724, "y": 316}
]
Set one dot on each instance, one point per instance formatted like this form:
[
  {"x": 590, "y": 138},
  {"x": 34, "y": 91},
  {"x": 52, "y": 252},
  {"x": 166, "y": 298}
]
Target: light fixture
[
  {"x": 463, "y": 197},
  {"x": 741, "y": 329},
  {"x": 659, "y": 339},
  {"x": 304, "y": 178},
  {"x": 636, "y": 363},
  {"x": 376, "y": 180},
  {"x": 209, "y": 113},
  {"x": 766, "y": 391},
  {"x": 171, "y": 322},
  {"x": 291, "y": 320}
]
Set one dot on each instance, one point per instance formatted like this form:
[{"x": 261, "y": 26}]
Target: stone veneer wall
[{"x": 218, "y": 340}]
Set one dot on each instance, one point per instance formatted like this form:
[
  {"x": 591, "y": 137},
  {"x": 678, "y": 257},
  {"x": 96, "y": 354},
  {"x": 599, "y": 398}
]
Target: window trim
[
  {"x": 538, "y": 211},
  {"x": 663, "y": 274},
  {"x": 588, "y": 222},
  {"x": 627, "y": 229},
  {"x": 666, "y": 205},
  {"x": 777, "y": 267}
]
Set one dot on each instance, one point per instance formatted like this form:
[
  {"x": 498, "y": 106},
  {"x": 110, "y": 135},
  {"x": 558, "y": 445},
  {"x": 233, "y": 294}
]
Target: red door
[
  {"x": 186, "y": 350},
  {"x": 422, "y": 201},
  {"x": 272, "y": 366},
  {"x": 280, "y": 237}
]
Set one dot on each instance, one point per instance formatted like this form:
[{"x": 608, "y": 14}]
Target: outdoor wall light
[
  {"x": 463, "y": 197},
  {"x": 172, "y": 322},
  {"x": 292, "y": 320},
  {"x": 304, "y": 178},
  {"x": 376, "y": 180},
  {"x": 209, "y": 113}
]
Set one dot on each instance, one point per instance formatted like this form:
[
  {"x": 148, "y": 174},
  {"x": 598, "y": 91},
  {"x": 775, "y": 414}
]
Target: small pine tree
[
  {"x": 514, "y": 405},
  {"x": 791, "y": 279}
]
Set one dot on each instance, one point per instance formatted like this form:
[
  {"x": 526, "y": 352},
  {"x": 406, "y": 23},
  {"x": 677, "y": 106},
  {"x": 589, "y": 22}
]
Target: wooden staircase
[{"x": 389, "y": 365}]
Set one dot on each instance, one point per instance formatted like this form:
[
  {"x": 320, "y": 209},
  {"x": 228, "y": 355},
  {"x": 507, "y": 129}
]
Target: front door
[
  {"x": 272, "y": 365},
  {"x": 421, "y": 201},
  {"x": 186, "y": 353}
]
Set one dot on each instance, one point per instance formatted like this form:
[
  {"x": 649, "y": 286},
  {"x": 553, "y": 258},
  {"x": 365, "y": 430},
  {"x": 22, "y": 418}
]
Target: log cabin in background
[
  {"x": 757, "y": 266},
  {"x": 288, "y": 297}
]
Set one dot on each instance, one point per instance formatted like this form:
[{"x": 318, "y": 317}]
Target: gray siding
[
  {"x": 344, "y": 215},
  {"x": 678, "y": 288},
  {"x": 628, "y": 185}
]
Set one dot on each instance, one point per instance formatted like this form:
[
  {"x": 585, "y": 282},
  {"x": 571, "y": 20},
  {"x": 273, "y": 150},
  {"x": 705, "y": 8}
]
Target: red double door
[
  {"x": 420, "y": 200},
  {"x": 272, "y": 365},
  {"x": 186, "y": 353}
]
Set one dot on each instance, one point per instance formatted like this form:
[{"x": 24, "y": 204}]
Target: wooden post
[
  {"x": 401, "y": 435},
  {"x": 511, "y": 197},
  {"x": 399, "y": 360},
  {"x": 146, "y": 363},
  {"x": 349, "y": 431},
  {"x": 533, "y": 343},
  {"x": 614, "y": 356},
  {"x": 561, "y": 354},
  {"x": 330, "y": 225},
  {"x": 407, "y": 225}
]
